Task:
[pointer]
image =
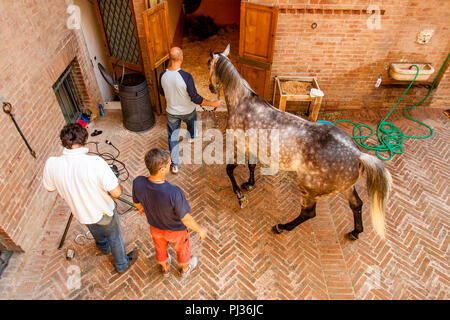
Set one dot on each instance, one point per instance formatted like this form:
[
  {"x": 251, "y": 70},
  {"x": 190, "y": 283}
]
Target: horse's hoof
[
  {"x": 247, "y": 186},
  {"x": 243, "y": 202},
  {"x": 276, "y": 230},
  {"x": 351, "y": 236}
]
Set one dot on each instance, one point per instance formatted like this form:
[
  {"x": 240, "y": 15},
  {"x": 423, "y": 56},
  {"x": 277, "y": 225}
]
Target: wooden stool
[{"x": 280, "y": 99}]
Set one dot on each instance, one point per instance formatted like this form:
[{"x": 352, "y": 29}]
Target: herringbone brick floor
[{"x": 241, "y": 258}]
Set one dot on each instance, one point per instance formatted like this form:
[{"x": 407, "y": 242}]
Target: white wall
[{"x": 95, "y": 44}]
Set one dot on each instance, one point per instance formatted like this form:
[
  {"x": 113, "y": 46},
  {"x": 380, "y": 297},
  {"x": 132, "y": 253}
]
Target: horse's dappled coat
[{"x": 326, "y": 159}]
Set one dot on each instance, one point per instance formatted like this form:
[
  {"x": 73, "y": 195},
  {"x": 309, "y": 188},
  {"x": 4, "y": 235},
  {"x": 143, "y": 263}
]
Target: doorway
[{"x": 209, "y": 25}]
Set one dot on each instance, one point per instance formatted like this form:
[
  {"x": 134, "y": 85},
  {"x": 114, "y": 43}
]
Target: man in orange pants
[{"x": 167, "y": 212}]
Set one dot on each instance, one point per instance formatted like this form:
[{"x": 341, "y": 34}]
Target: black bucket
[
  {"x": 136, "y": 107},
  {"x": 135, "y": 100}
]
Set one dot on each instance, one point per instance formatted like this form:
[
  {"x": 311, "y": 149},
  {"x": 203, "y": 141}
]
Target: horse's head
[{"x": 214, "y": 82}]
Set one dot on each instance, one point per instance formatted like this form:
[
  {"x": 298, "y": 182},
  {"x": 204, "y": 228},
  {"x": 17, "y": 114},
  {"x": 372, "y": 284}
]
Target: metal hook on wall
[{"x": 7, "y": 108}]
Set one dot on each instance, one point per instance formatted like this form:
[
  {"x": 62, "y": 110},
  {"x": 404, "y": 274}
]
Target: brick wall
[
  {"x": 36, "y": 48},
  {"x": 347, "y": 57}
]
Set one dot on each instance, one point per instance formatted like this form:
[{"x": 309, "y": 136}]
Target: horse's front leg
[
  {"x": 240, "y": 196},
  {"x": 251, "y": 179}
]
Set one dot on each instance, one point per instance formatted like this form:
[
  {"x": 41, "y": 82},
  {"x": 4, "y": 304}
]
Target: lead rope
[{"x": 212, "y": 111}]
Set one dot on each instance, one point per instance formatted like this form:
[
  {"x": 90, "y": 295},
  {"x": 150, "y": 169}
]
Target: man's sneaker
[
  {"x": 174, "y": 169},
  {"x": 192, "y": 265},
  {"x": 166, "y": 273},
  {"x": 132, "y": 257}
]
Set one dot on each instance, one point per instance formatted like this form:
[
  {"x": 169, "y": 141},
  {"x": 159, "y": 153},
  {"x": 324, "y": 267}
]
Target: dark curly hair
[{"x": 73, "y": 133}]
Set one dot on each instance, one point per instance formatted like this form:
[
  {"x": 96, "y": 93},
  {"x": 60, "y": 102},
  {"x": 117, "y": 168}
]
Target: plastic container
[{"x": 135, "y": 100}]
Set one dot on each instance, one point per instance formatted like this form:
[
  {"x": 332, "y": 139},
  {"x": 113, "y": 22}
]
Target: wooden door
[
  {"x": 157, "y": 40},
  {"x": 256, "y": 43},
  {"x": 157, "y": 35}
]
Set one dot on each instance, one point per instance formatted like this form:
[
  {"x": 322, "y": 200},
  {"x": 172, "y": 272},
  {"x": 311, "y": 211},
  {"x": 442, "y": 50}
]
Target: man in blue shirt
[
  {"x": 167, "y": 212},
  {"x": 181, "y": 99}
]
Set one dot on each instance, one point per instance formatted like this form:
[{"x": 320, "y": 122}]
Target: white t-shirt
[
  {"x": 178, "y": 91},
  {"x": 82, "y": 180}
]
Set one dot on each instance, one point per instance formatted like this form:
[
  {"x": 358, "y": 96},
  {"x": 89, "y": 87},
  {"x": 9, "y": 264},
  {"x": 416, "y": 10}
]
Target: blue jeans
[
  {"x": 173, "y": 131},
  {"x": 110, "y": 236}
]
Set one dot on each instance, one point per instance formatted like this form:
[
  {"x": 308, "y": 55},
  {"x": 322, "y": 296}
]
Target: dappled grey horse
[{"x": 326, "y": 159}]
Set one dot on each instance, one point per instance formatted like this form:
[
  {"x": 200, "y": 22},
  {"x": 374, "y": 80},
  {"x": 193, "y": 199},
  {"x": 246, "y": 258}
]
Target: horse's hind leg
[
  {"x": 356, "y": 206},
  {"x": 251, "y": 179},
  {"x": 240, "y": 196},
  {"x": 308, "y": 212}
]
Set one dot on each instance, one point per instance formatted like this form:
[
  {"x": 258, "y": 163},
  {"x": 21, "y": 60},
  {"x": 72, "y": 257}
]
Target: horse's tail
[{"x": 379, "y": 182}]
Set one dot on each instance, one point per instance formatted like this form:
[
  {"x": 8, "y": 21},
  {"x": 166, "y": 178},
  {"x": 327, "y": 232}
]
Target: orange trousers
[{"x": 180, "y": 241}]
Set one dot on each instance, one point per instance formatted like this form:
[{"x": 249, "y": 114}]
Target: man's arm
[
  {"x": 116, "y": 192},
  {"x": 140, "y": 208},
  {"x": 107, "y": 178},
  {"x": 215, "y": 104},
  {"x": 189, "y": 222},
  {"x": 193, "y": 94},
  {"x": 47, "y": 181}
]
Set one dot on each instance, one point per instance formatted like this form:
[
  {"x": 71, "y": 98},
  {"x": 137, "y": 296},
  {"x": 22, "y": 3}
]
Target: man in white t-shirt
[
  {"x": 182, "y": 98},
  {"x": 86, "y": 183}
]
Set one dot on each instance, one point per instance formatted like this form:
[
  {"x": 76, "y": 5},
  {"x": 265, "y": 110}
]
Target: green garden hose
[{"x": 389, "y": 136}]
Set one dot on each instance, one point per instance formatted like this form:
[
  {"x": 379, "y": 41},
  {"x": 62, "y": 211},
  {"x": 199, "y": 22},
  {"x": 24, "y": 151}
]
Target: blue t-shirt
[{"x": 164, "y": 204}]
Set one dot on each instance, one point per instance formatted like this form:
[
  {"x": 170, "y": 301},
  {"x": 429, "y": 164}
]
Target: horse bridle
[
  {"x": 216, "y": 87},
  {"x": 213, "y": 61}
]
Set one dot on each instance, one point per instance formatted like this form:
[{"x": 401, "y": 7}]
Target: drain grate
[{"x": 4, "y": 261}]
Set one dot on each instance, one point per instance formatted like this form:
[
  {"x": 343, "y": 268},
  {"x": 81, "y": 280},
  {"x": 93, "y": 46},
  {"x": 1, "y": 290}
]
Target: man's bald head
[{"x": 175, "y": 54}]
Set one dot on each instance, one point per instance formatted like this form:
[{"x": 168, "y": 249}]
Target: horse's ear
[
  {"x": 211, "y": 53},
  {"x": 227, "y": 51}
]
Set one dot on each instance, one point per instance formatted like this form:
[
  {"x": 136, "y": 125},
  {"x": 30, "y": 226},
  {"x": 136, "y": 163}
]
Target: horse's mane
[{"x": 230, "y": 77}]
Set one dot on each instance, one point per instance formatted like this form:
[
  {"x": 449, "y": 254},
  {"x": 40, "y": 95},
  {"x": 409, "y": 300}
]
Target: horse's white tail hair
[{"x": 379, "y": 183}]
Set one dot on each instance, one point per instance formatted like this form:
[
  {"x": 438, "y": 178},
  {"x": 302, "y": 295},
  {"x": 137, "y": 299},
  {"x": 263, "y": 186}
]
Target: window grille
[
  {"x": 4, "y": 260},
  {"x": 67, "y": 95},
  {"x": 119, "y": 30}
]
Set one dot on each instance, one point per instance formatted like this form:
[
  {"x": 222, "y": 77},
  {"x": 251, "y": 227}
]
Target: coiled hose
[{"x": 389, "y": 136}]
